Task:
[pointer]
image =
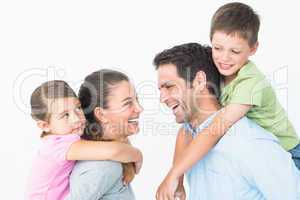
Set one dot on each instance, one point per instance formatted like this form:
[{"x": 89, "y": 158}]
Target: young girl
[{"x": 58, "y": 113}]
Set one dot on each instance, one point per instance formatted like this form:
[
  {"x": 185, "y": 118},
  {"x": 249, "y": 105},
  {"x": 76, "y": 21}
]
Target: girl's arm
[
  {"x": 207, "y": 138},
  {"x": 103, "y": 150}
]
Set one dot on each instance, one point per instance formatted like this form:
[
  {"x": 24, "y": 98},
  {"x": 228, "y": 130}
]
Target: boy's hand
[
  {"x": 128, "y": 172},
  {"x": 167, "y": 188},
  {"x": 180, "y": 193}
]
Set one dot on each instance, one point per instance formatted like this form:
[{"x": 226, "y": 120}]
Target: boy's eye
[
  {"x": 216, "y": 48},
  {"x": 235, "y": 52}
]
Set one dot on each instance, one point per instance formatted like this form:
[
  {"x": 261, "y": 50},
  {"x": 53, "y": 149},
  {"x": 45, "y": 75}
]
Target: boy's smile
[{"x": 230, "y": 53}]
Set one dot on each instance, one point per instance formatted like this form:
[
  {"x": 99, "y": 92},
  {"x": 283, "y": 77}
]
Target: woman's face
[{"x": 121, "y": 117}]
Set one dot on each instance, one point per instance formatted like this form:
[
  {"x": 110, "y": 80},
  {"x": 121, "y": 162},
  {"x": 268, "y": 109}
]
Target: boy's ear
[
  {"x": 100, "y": 115},
  {"x": 43, "y": 125},
  {"x": 199, "y": 80},
  {"x": 254, "y": 48}
]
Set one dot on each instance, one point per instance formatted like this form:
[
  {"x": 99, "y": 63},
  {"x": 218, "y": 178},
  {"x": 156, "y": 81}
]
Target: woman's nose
[{"x": 138, "y": 107}]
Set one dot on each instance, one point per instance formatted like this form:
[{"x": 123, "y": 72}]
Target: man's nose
[{"x": 163, "y": 96}]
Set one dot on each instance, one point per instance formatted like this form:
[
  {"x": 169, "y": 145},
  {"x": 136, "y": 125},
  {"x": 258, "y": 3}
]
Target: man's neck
[{"x": 205, "y": 108}]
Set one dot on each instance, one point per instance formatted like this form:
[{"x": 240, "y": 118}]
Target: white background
[{"x": 43, "y": 40}]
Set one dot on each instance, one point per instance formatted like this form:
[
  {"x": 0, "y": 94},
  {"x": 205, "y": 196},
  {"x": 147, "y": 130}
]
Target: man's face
[{"x": 174, "y": 91}]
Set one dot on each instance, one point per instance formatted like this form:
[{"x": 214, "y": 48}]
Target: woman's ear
[
  {"x": 99, "y": 114},
  {"x": 43, "y": 125},
  {"x": 199, "y": 81}
]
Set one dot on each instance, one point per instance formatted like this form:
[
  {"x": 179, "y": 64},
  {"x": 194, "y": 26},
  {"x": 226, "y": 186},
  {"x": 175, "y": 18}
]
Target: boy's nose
[{"x": 225, "y": 56}]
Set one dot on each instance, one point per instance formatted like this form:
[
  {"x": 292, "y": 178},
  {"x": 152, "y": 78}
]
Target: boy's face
[
  {"x": 230, "y": 52},
  {"x": 174, "y": 91}
]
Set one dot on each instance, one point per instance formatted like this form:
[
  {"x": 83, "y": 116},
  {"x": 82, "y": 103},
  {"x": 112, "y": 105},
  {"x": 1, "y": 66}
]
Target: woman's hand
[{"x": 128, "y": 172}]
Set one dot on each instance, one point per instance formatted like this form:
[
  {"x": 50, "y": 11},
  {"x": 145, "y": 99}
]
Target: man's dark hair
[{"x": 189, "y": 59}]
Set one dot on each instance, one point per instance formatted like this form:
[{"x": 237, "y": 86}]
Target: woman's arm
[{"x": 102, "y": 150}]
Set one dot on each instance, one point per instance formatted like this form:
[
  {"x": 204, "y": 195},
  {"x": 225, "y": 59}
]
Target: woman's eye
[
  {"x": 216, "y": 48},
  {"x": 128, "y": 103}
]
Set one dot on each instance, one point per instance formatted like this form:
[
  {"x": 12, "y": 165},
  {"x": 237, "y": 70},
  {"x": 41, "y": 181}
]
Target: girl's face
[
  {"x": 121, "y": 117},
  {"x": 66, "y": 117}
]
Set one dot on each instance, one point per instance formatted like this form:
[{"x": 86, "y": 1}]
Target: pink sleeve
[{"x": 62, "y": 144}]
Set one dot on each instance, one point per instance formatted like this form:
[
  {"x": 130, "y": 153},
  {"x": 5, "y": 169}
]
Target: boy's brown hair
[{"x": 236, "y": 18}]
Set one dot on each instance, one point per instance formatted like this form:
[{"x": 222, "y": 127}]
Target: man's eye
[{"x": 169, "y": 86}]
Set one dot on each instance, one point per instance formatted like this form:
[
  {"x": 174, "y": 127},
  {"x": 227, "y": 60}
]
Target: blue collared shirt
[{"x": 247, "y": 163}]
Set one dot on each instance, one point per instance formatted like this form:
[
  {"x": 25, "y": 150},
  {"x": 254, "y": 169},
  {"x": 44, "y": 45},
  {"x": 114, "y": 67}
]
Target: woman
[{"x": 112, "y": 111}]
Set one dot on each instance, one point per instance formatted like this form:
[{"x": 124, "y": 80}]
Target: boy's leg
[{"x": 296, "y": 155}]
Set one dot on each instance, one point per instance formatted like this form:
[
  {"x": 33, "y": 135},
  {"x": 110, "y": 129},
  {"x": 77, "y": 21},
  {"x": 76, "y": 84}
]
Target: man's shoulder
[{"x": 245, "y": 134}]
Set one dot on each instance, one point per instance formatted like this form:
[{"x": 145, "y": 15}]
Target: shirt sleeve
[
  {"x": 61, "y": 146},
  {"x": 272, "y": 172},
  {"x": 249, "y": 90},
  {"x": 94, "y": 180}
]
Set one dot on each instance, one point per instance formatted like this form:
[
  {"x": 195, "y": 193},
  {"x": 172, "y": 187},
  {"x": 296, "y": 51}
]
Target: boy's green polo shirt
[{"x": 250, "y": 87}]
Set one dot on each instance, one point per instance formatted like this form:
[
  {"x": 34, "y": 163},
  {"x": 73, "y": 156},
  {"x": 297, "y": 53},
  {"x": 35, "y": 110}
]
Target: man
[{"x": 247, "y": 163}]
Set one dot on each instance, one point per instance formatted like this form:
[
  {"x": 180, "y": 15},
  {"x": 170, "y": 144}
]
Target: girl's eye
[
  {"x": 79, "y": 108},
  {"x": 66, "y": 115}
]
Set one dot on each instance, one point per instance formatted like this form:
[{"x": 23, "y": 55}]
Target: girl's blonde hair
[{"x": 44, "y": 95}]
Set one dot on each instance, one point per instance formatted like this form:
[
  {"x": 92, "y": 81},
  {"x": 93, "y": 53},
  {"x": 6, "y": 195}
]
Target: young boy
[{"x": 245, "y": 91}]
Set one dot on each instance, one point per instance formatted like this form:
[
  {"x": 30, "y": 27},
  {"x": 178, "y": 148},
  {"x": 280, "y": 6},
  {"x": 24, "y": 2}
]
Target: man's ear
[
  {"x": 199, "y": 81},
  {"x": 43, "y": 125},
  {"x": 254, "y": 48},
  {"x": 100, "y": 115}
]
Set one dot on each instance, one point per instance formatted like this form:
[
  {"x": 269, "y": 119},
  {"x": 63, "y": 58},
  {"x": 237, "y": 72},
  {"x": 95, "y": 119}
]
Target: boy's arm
[
  {"x": 207, "y": 138},
  {"x": 100, "y": 150},
  {"x": 182, "y": 141},
  {"x": 201, "y": 145}
]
